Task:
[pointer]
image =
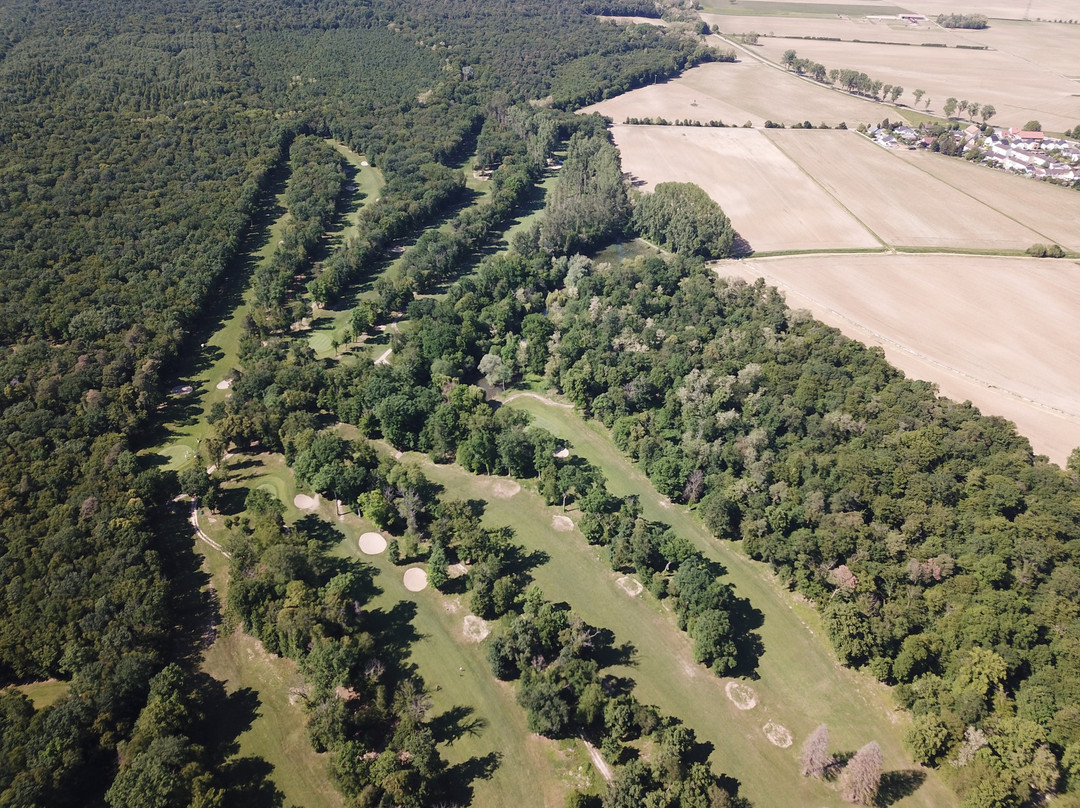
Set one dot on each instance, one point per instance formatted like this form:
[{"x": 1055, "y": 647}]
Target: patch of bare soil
[
  {"x": 504, "y": 489},
  {"x": 631, "y": 586},
  {"x": 778, "y": 735},
  {"x": 742, "y": 696},
  {"x": 475, "y": 628},
  {"x": 562, "y": 523}
]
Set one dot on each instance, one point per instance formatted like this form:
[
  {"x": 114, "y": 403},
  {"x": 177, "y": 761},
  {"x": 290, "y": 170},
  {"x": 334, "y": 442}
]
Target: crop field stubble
[
  {"x": 999, "y": 332},
  {"x": 1019, "y": 90},
  {"x": 737, "y": 92},
  {"x": 772, "y": 204}
]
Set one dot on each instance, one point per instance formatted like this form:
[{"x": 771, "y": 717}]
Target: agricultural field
[
  {"x": 813, "y": 190},
  {"x": 1000, "y": 9},
  {"x": 772, "y": 203},
  {"x": 902, "y": 206},
  {"x": 1051, "y": 211},
  {"x": 740, "y": 92},
  {"x": 881, "y": 29},
  {"x": 1019, "y": 90},
  {"x": 997, "y": 331}
]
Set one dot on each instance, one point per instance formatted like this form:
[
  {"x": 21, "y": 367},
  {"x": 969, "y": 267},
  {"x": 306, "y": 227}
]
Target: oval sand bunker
[
  {"x": 415, "y": 579},
  {"x": 372, "y": 543},
  {"x": 306, "y": 503},
  {"x": 562, "y": 523}
]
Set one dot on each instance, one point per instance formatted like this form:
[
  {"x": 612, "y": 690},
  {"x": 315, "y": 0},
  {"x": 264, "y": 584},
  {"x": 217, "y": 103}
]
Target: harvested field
[
  {"x": 1051, "y": 211},
  {"x": 999, "y": 332},
  {"x": 1018, "y": 89},
  {"x": 903, "y": 206},
  {"x": 1004, "y": 9},
  {"x": 846, "y": 28},
  {"x": 739, "y": 92},
  {"x": 1051, "y": 45},
  {"x": 772, "y": 204}
]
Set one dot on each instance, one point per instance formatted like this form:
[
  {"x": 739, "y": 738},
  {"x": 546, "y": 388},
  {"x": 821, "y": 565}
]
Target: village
[{"x": 1030, "y": 153}]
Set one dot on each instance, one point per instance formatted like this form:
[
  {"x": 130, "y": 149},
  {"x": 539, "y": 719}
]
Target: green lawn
[
  {"x": 278, "y": 734},
  {"x": 45, "y": 694},
  {"x": 800, "y": 684}
]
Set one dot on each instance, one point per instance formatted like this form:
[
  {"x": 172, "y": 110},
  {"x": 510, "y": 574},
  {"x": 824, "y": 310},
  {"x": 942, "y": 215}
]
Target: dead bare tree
[
  {"x": 861, "y": 778},
  {"x": 815, "y": 758}
]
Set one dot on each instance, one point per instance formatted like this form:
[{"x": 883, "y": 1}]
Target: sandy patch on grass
[
  {"x": 742, "y": 696},
  {"x": 562, "y": 523},
  {"x": 562, "y": 453},
  {"x": 372, "y": 543},
  {"x": 457, "y": 570},
  {"x": 631, "y": 586},
  {"x": 778, "y": 735},
  {"x": 224, "y": 384},
  {"x": 504, "y": 489},
  {"x": 475, "y": 628},
  {"x": 306, "y": 503},
  {"x": 415, "y": 579}
]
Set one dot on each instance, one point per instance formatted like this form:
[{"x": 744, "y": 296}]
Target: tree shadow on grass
[
  {"x": 456, "y": 782},
  {"x": 607, "y": 653},
  {"x": 395, "y": 633},
  {"x": 247, "y": 781},
  {"x": 456, "y": 723},
  {"x": 897, "y": 785}
]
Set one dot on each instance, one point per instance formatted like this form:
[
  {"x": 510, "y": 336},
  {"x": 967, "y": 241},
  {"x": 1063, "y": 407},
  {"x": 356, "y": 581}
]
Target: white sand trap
[
  {"x": 504, "y": 489},
  {"x": 742, "y": 696},
  {"x": 476, "y": 628},
  {"x": 182, "y": 390},
  {"x": 224, "y": 384},
  {"x": 372, "y": 543},
  {"x": 562, "y": 454},
  {"x": 562, "y": 523},
  {"x": 631, "y": 586},
  {"x": 777, "y": 735},
  {"x": 306, "y": 503},
  {"x": 415, "y": 579},
  {"x": 364, "y": 163}
]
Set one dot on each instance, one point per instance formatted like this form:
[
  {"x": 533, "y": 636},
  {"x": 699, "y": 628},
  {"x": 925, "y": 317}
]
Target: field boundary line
[
  {"x": 970, "y": 195},
  {"x": 829, "y": 193}
]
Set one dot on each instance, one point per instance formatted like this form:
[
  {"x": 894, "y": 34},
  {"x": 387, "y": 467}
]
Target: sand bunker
[
  {"x": 372, "y": 543},
  {"x": 562, "y": 454},
  {"x": 742, "y": 696},
  {"x": 306, "y": 503},
  {"x": 631, "y": 586},
  {"x": 777, "y": 735},
  {"x": 475, "y": 628},
  {"x": 562, "y": 523},
  {"x": 364, "y": 163},
  {"x": 182, "y": 390},
  {"x": 504, "y": 489},
  {"x": 415, "y": 579},
  {"x": 224, "y": 384}
]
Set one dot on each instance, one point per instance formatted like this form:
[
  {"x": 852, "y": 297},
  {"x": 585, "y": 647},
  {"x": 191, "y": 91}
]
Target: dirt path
[
  {"x": 199, "y": 531},
  {"x": 538, "y": 397},
  {"x": 385, "y": 358},
  {"x": 598, "y": 760}
]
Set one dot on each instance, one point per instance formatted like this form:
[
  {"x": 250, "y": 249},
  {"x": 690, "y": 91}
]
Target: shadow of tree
[
  {"x": 456, "y": 782},
  {"x": 897, "y": 785},
  {"x": 455, "y": 723}
]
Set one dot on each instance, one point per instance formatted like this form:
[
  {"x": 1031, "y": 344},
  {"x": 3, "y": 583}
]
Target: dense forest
[{"x": 137, "y": 144}]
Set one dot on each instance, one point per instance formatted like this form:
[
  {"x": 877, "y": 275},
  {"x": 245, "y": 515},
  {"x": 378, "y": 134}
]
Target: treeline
[
  {"x": 622, "y": 8},
  {"x": 311, "y": 198},
  {"x": 665, "y": 122},
  {"x": 972, "y": 21},
  {"x": 853, "y": 81}
]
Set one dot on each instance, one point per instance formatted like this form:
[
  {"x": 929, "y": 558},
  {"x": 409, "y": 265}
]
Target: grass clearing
[
  {"x": 44, "y": 694},
  {"x": 995, "y": 331}
]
